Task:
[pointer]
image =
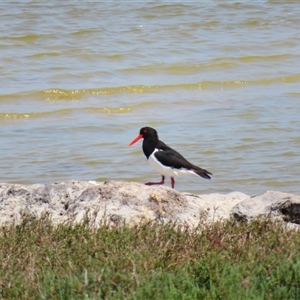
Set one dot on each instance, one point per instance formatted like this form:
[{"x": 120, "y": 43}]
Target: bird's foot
[{"x": 154, "y": 183}]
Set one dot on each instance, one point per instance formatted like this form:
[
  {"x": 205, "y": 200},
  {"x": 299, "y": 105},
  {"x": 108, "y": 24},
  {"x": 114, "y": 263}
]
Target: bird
[{"x": 164, "y": 159}]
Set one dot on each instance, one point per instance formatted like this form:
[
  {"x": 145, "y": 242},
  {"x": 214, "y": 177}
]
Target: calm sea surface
[{"x": 219, "y": 80}]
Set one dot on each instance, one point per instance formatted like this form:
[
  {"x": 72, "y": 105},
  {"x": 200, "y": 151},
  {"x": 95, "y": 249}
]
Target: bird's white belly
[{"x": 167, "y": 171}]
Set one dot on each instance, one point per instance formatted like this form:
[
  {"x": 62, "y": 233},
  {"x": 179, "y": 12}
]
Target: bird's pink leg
[
  {"x": 161, "y": 182},
  {"x": 172, "y": 182}
]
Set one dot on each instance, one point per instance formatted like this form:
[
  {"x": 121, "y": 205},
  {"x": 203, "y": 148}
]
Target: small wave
[
  {"x": 180, "y": 69},
  {"x": 43, "y": 54},
  {"x": 222, "y": 63},
  {"x": 82, "y": 32},
  {"x": 28, "y": 37},
  {"x": 61, "y": 94},
  {"x": 34, "y": 115},
  {"x": 67, "y": 111},
  {"x": 55, "y": 94}
]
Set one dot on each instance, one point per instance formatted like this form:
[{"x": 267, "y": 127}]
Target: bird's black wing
[{"x": 171, "y": 158}]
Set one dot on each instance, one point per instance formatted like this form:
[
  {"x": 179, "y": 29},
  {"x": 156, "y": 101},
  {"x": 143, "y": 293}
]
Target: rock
[
  {"x": 214, "y": 207},
  {"x": 277, "y": 205},
  {"x": 131, "y": 203}
]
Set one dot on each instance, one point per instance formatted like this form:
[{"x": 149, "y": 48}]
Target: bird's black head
[
  {"x": 145, "y": 133},
  {"x": 148, "y": 132}
]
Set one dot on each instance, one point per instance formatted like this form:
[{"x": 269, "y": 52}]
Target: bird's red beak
[{"x": 136, "y": 139}]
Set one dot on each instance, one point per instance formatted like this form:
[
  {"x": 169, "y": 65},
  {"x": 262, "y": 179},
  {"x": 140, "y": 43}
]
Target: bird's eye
[{"x": 145, "y": 131}]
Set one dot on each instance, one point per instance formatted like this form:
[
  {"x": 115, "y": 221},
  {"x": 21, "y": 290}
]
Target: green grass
[{"x": 259, "y": 260}]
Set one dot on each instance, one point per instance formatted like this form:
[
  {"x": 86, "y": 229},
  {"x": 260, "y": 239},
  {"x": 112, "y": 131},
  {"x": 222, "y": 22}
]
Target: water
[{"x": 219, "y": 80}]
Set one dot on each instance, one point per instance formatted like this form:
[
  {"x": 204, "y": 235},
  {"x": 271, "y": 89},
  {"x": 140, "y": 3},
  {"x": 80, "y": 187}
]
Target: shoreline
[{"x": 131, "y": 203}]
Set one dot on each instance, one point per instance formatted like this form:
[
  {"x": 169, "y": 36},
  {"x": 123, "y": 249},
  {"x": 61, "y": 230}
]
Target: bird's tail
[{"x": 201, "y": 172}]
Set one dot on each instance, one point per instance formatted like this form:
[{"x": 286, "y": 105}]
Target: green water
[{"x": 219, "y": 80}]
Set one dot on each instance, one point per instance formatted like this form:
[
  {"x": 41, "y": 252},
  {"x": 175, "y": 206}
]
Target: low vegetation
[{"x": 258, "y": 260}]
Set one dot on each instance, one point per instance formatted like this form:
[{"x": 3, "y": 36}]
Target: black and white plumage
[{"x": 164, "y": 159}]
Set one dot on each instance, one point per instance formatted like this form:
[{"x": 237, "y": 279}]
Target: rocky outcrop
[
  {"x": 119, "y": 202},
  {"x": 276, "y": 205}
]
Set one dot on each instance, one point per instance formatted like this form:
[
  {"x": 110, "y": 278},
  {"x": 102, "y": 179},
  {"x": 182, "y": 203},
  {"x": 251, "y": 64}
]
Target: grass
[{"x": 259, "y": 260}]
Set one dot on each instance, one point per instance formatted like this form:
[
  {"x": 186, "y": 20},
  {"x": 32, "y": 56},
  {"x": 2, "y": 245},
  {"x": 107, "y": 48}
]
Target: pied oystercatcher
[{"x": 164, "y": 159}]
